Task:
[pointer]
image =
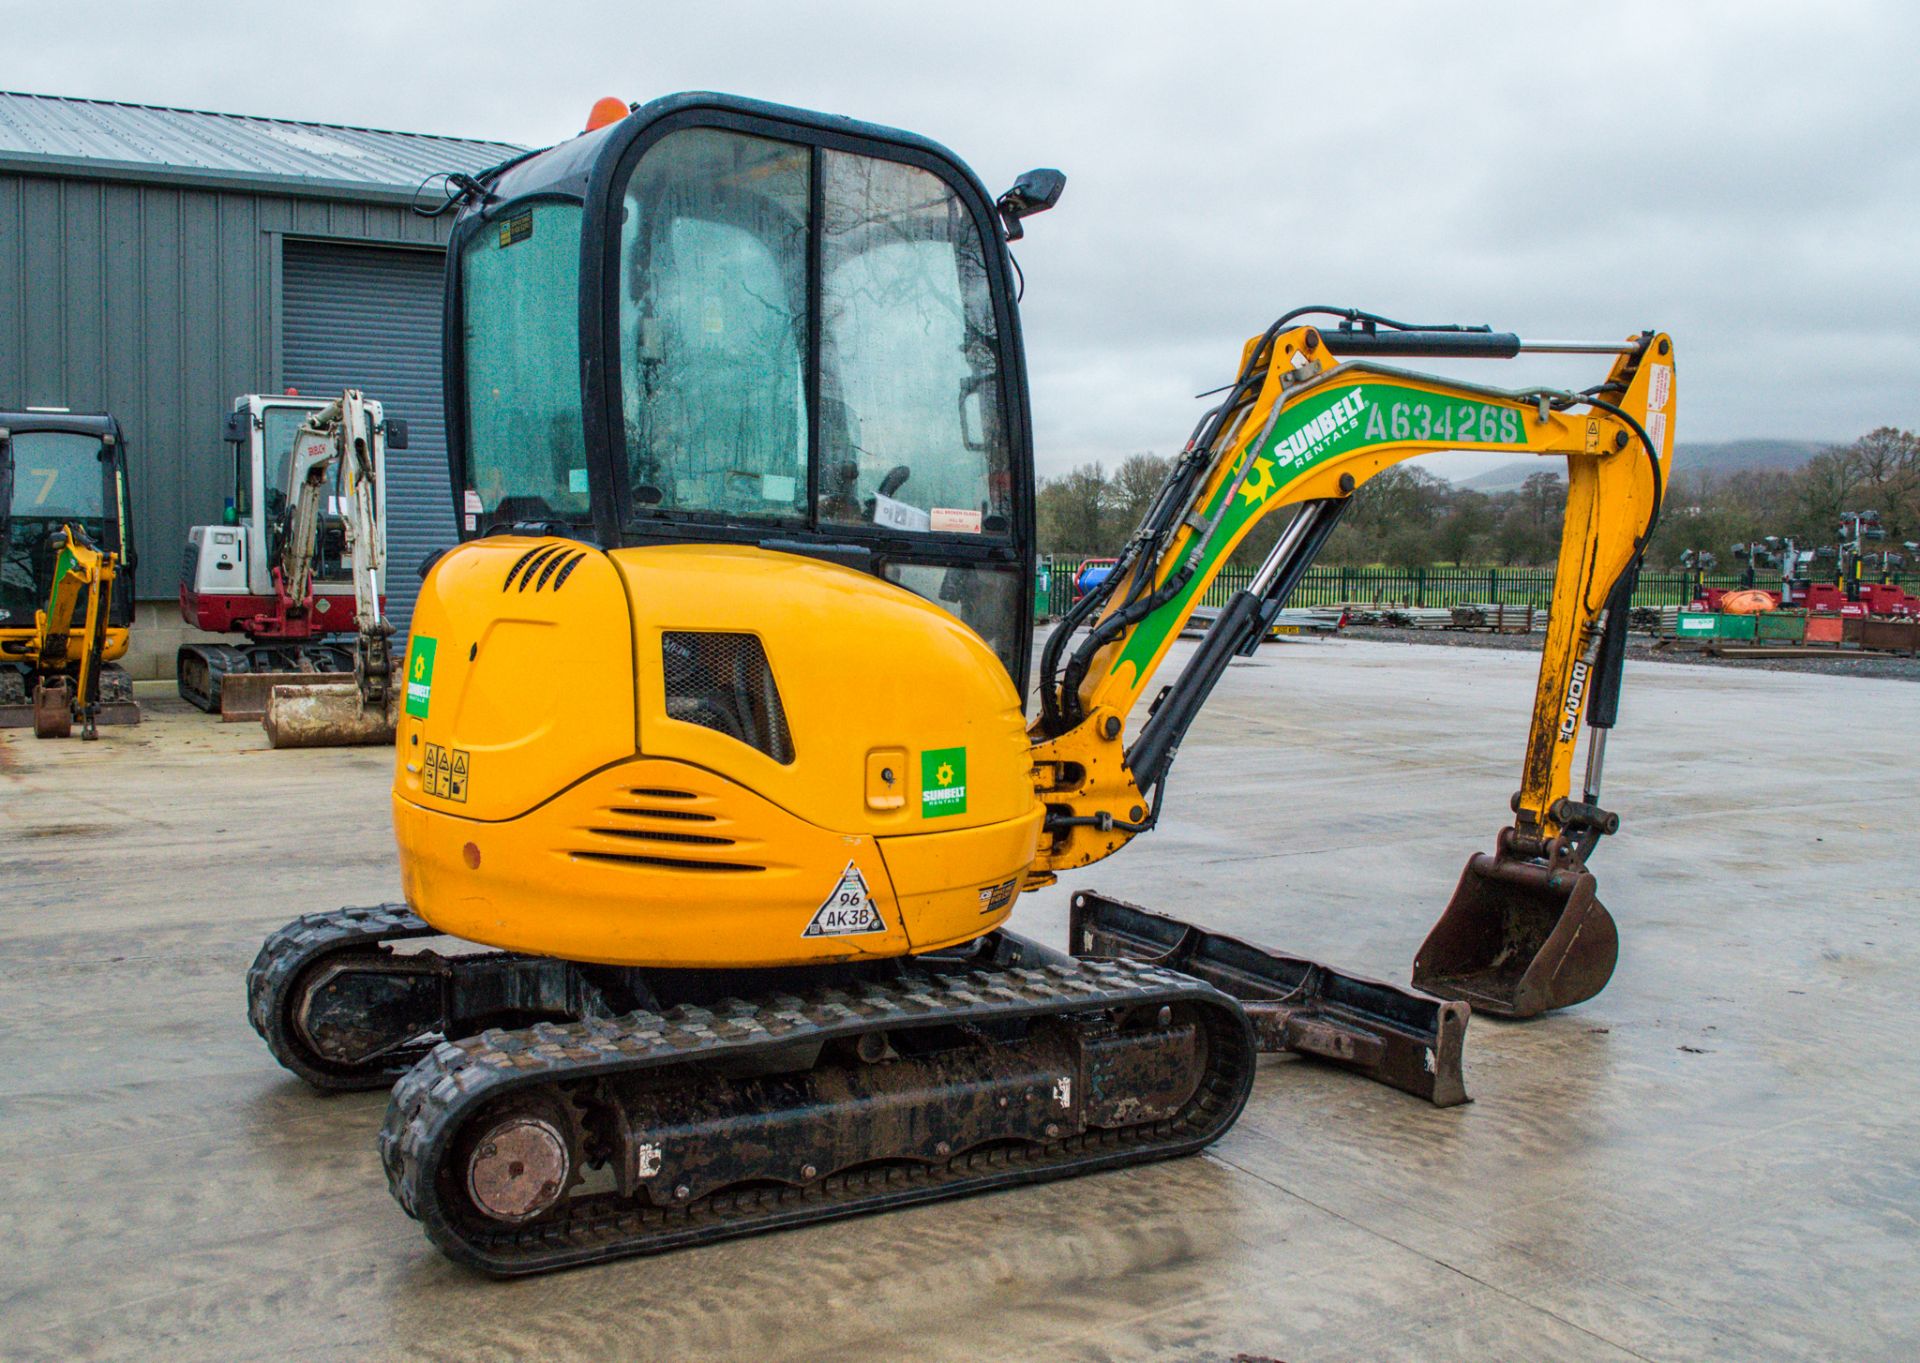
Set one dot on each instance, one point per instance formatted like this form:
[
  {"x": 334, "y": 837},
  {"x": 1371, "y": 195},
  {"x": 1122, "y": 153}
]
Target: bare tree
[
  {"x": 1134, "y": 486},
  {"x": 1074, "y": 512}
]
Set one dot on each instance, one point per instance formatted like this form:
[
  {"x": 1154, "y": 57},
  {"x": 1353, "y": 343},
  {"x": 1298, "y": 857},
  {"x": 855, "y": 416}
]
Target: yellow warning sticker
[{"x": 445, "y": 772}]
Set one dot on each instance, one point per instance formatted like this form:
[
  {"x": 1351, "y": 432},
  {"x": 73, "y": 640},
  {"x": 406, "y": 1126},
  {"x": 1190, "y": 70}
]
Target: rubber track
[
  {"x": 457, "y": 1080},
  {"x": 289, "y": 953}
]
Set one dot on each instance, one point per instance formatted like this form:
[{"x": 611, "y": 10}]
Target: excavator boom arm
[
  {"x": 1306, "y": 425},
  {"x": 340, "y": 433},
  {"x": 81, "y": 570}
]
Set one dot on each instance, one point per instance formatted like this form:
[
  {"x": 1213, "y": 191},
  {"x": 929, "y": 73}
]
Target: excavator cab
[
  {"x": 61, "y": 473},
  {"x": 720, "y": 321}
]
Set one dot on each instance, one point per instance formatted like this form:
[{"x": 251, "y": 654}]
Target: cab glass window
[
  {"x": 279, "y": 424},
  {"x": 986, "y": 599},
  {"x": 713, "y": 326},
  {"x": 57, "y": 477},
  {"x": 58, "y": 480},
  {"x": 910, "y": 419},
  {"x": 520, "y": 327}
]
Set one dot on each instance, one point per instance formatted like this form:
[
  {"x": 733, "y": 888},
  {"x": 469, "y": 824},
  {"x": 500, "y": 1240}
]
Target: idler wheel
[{"x": 519, "y": 1168}]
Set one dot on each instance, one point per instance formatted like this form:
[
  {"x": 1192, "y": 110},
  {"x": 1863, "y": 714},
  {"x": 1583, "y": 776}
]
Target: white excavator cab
[{"x": 260, "y": 432}]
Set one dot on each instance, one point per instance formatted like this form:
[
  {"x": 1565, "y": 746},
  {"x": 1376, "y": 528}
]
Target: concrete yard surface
[{"x": 1717, "y": 1158}]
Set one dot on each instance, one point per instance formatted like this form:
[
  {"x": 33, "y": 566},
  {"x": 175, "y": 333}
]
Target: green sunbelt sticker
[
  {"x": 419, "y": 676},
  {"x": 1310, "y": 431},
  {"x": 943, "y": 782}
]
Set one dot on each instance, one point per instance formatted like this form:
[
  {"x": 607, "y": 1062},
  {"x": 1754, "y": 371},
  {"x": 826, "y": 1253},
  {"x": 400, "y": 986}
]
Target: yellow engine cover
[{"x": 699, "y": 755}]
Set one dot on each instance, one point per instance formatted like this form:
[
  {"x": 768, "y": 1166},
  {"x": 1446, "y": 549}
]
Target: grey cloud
[{"x": 1743, "y": 174}]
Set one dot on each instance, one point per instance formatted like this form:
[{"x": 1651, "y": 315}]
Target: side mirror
[
  {"x": 1034, "y": 192},
  {"x": 239, "y": 428},
  {"x": 396, "y": 431}
]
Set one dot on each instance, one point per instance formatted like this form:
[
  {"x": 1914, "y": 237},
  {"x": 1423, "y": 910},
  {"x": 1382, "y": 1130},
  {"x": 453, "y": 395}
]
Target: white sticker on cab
[
  {"x": 899, "y": 515},
  {"x": 955, "y": 520}
]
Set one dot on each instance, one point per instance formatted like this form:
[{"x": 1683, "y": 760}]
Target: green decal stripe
[
  {"x": 1320, "y": 427},
  {"x": 63, "y": 563}
]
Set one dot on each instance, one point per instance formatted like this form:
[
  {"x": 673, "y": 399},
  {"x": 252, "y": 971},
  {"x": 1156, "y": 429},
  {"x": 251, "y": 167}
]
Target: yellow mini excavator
[
  {"x": 712, "y": 730},
  {"x": 65, "y": 608}
]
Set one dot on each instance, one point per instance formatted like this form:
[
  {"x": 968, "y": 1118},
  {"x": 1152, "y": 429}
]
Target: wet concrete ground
[{"x": 1717, "y": 1158}]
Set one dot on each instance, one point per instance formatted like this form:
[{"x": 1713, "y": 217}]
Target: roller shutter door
[{"x": 369, "y": 318}]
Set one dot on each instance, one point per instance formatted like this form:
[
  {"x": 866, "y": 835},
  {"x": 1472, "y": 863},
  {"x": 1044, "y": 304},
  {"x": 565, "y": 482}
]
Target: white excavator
[{"x": 301, "y": 649}]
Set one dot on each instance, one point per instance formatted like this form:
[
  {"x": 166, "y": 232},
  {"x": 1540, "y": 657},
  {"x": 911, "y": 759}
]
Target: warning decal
[
  {"x": 446, "y": 773},
  {"x": 849, "y": 910}
]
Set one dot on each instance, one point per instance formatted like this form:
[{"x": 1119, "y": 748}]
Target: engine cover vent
[{"x": 721, "y": 681}]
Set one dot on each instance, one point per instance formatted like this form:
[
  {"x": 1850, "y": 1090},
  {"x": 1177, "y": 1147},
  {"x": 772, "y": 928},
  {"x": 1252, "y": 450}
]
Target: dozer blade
[
  {"x": 1400, "y": 1038},
  {"x": 322, "y": 716},
  {"x": 244, "y": 695},
  {"x": 1519, "y": 938}
]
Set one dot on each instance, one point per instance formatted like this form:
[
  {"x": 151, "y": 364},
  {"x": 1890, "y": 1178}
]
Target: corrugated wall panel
[
  {"x": 156, "y": 303},
  {"x": 369, "y": 318},
  {"x": 13, "y": 293},
  {"x": 43, "y": 378},
  {"x": 83, "y": 285},
  {"x": 161, "y": 428}
]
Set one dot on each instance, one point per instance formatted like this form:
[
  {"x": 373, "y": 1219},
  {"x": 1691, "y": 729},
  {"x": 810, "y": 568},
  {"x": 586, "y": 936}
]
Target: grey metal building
[{"x": 156, "y": 263}]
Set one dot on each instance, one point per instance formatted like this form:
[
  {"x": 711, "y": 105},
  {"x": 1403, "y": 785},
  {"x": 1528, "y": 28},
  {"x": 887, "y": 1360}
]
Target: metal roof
[{"x": 108, "y": 140}]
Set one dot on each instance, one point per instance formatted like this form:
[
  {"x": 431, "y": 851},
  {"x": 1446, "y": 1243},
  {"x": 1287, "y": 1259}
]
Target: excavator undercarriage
[{"x": 589, "y": 1112}]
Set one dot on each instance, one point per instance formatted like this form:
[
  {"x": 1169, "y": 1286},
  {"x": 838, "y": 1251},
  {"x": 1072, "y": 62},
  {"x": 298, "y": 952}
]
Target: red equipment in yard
[{"x": 279, "y": 569}]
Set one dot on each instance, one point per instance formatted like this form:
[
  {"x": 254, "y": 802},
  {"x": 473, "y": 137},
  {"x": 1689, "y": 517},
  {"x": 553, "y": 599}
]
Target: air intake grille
[
  {"x": 539, "y": 564},
  {"x": 722, "y": 682}
]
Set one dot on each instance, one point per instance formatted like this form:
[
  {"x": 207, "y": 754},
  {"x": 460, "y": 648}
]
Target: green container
[
  {"x": 1695, "y": 625},
  {"x": 1043, "y": 590},
  {"x": 1734, "y": 626},
  {"x": 1780, "y": 625}
]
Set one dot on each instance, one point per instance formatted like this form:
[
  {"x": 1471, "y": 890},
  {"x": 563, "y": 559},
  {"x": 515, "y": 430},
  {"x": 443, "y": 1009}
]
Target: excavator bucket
[
  {"x": 322, "y": 716},
  {"x": 1519, "y": 938},
  {"x": 53, "y": 709}
]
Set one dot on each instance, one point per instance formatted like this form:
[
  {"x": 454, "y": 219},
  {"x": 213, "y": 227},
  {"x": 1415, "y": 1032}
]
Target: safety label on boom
[{"x": 849, "y": 910}]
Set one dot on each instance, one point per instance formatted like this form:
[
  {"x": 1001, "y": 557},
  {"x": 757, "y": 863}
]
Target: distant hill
[{"x": 1716, "y": 456}]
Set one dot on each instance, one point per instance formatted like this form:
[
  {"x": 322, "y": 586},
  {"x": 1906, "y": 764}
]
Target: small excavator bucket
[
  {"x": 53, "y": 708},
  {"x": 1519, "y": 938},
  {"x": 319, "y": 715}
]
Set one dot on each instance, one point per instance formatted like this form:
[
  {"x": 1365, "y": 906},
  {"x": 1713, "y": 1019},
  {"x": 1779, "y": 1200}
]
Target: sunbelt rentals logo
[
  {"x": 419, "y": 676},
  {"x": 943, "y": 782}
]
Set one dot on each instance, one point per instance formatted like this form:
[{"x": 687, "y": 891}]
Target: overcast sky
[{"x": 1742, "y": 174}]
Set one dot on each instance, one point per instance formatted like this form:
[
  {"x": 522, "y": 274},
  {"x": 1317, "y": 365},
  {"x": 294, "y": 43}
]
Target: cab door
[{"x": 814, "y": 349}]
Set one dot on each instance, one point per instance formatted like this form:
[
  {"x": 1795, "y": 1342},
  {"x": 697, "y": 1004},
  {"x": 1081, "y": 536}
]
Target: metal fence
[{"x": 1425, "y": 586}]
